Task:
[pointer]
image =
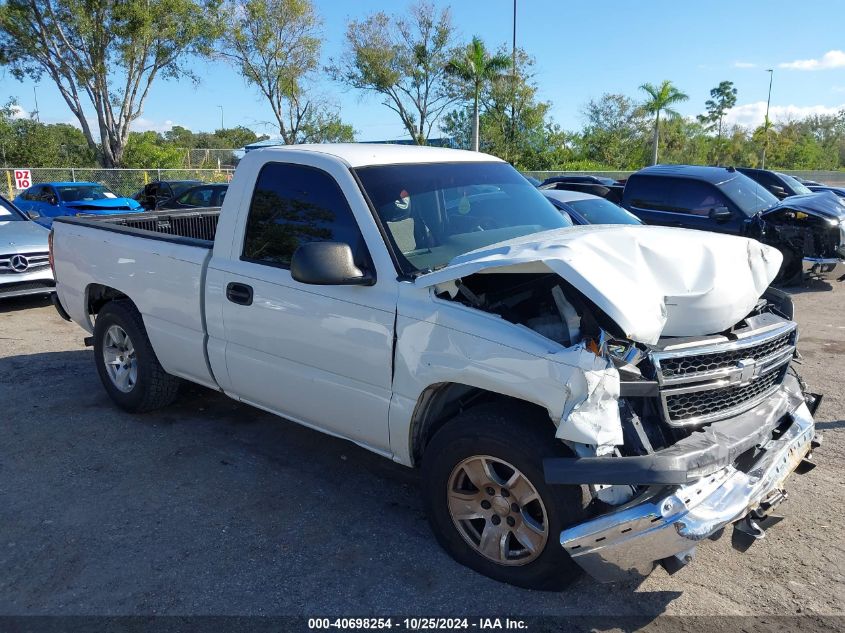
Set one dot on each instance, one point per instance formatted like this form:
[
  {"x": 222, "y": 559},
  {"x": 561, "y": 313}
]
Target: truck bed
[{"x": 159, "y": 260}]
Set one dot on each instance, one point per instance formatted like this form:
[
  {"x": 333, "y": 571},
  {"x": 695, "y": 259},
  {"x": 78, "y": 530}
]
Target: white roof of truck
[{"x": 364, "y": 154}]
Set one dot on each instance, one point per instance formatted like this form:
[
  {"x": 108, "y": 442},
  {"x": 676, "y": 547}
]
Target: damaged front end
[
  {"x": 677, "y": 432},
  {"x": 809, "y": 228},
  {"x": 713, "y": 427}
]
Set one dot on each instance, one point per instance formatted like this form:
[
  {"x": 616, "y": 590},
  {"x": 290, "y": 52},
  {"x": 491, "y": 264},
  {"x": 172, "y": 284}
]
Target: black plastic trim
[{"x": 54, "y": 297}]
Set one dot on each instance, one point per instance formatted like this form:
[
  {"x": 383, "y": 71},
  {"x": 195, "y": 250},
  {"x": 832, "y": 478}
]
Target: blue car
[{"x": 51, "y": 200}]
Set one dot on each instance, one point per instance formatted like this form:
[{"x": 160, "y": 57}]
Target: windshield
[
  {"x": 601, "y": 211},
  {"x": 796, "y": 186},
  {"x": 751, "y": 197},
  {"x": 8, "y": 213},
  {"x": 435, "y": 212},
  {"x": 78, "y": 193}
]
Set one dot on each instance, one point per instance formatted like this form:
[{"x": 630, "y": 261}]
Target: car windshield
[
  {"x": 77, "y": 193},
  {"x": 601, "y": 211},
  {"x": 8, "y": 213},
  {"x": 797, "y": 187},
  {"x": 751, "y": 197},
  {"x": 435, "y": 212}
]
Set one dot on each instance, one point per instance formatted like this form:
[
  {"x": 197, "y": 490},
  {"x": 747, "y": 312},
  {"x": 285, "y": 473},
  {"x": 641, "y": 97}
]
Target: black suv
[
  {"x": 778, "y": 184},
  {"x": 809, "y": 228}
]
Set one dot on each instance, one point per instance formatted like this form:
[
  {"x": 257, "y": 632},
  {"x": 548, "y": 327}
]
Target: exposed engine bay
[{"x": 667, "y": 391}]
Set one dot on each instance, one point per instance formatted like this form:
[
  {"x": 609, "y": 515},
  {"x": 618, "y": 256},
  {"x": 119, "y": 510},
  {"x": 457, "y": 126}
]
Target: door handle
[{"x": 239, "y": 293}]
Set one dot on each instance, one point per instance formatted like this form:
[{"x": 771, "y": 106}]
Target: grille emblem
[
  {"x": 19, "y": 263},
  {"x": 747, "y": 371}
]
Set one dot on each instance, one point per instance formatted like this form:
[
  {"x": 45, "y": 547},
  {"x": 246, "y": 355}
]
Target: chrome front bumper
[{"x": 631, "y": 539}]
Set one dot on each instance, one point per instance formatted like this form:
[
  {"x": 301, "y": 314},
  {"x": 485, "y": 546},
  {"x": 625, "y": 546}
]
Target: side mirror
[
  {"x": 779, "y": 191},
  {"x": 32, "y": 214},
  {"x": 327, "y": 264},
  {"x": 720, "y": 214},
  {"x": 52, "y": 200}
]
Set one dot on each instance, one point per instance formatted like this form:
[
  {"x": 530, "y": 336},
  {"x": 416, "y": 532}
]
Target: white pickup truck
[{"x": 595, "y": 397}]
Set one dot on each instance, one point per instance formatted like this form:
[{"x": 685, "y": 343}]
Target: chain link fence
[
  {"x": 126, "y": 182},
  {"x": 123, "y": 182}
]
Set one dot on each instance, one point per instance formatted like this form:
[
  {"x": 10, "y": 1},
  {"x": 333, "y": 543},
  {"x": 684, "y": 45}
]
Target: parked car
[
  {"x": 580, "y": 178},
  {"x": 198, "y": 196},
  {"x": 51, "y": 200},
  {"x": 154, "y": 193},
  {"x": 778, "y": 184},
  {"x": 583, "y": 208},
  {"x": 807, "y": 227},
  {"x": 24, "y": 265},
  {"x": 837, "y": 191},
  {"x": 808, "y": 183},
  {"x": 613, "y": 193},
  {"x": 570, "y": 394}
]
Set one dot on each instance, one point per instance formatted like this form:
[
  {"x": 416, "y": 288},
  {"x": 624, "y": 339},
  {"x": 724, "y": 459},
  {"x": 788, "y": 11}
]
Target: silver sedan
[{"x": 24, "y": 257}]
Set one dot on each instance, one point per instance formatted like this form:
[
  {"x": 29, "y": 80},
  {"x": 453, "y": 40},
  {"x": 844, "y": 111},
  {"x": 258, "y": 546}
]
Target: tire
[
  {"x": 791, "y": 272},
  {"x": 130, "y": 373},
  {"x": 519, "y": 437}
]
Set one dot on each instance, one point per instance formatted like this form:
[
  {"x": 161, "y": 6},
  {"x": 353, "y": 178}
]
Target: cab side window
[
  {"x": 647, "y": 192},
  {"x": 696, "y": 198},
  {"x": 293, "y": 205}
]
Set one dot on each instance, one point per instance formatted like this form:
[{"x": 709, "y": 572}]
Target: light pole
[
  {"x": 36, "y": 113},
  {"x": 222, "y": 128},
  {"x": 513, "y": 85},
  {"x": 771, "y": 72}
]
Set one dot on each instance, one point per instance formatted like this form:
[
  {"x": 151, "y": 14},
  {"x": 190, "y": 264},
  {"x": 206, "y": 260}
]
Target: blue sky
[{"x": 582, "y": 49}]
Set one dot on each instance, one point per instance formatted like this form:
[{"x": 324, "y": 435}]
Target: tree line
[{"x": 105, "y": 55}]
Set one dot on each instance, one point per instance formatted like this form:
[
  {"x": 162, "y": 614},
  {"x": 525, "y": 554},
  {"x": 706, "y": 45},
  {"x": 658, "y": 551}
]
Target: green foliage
[
  {"x": 660, "y": 99},
  {"x": 275, "y": 45},
  {"x": 402, "y": 59},
  {"x": 28, "y": 143},
  {"x": 103, "y": 55},
  {"x": 151, "y": 150},
  {"x": 476, "y": 67},
  {"x": 514, "y": 125},
  {"x": 615, "y": 132}
]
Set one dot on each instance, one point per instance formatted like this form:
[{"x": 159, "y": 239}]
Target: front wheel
[
  {"x": 488, "y": 502},
  {"x": 126, "y": 362}
]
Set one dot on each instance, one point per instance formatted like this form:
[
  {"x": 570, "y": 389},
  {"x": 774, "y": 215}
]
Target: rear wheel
[
  {"x": 126, "y": 362},
  {"x": 487, "y": 500}
]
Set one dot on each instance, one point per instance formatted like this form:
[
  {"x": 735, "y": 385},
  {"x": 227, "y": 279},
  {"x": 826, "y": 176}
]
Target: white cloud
[
  {"x": 148, "y": 125},
  {"x": 754, "y": 114},
  {"x": 831, "y": 59},
  {"x": 745, "y": 65},
  {"x": 19, "y": 113}
]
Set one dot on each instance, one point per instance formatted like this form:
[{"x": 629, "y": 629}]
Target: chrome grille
[
  {"x": 702, "y": 363},
  {"x": 706, "y": 383},
  {"x": 34, "y": 261},
  {"x": 699, "y": 404}
]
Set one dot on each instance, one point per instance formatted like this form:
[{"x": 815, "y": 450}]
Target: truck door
[{"x": 321, "y": 355}]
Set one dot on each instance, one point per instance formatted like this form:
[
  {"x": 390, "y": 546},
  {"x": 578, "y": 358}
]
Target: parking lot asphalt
[{"x": 212, "y": 507}]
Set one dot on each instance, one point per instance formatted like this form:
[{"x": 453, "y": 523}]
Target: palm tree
[
  {"x": 660, "y": 98},
  {"x": 476, "y": 66}
]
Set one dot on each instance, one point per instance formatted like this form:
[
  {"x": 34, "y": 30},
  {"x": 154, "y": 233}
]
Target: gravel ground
[{"x": 212, "y": 507}]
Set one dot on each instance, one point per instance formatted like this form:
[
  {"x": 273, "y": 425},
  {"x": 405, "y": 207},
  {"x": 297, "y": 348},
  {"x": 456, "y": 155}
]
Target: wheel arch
[{"x": 440, "y": 403}]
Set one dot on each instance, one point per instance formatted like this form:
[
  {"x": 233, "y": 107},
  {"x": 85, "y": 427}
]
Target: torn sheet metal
[
  {"x": 591, "y": 411},
  {"x": 446, "y": 342},
  {"x": 652, "y": 281}
]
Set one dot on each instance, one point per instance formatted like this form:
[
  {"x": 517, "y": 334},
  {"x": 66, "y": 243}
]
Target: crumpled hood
[
  {"x": 652, "y": 281},
  {"x": 823, "y": 203},
  {"x": 108, "y": 205}
]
